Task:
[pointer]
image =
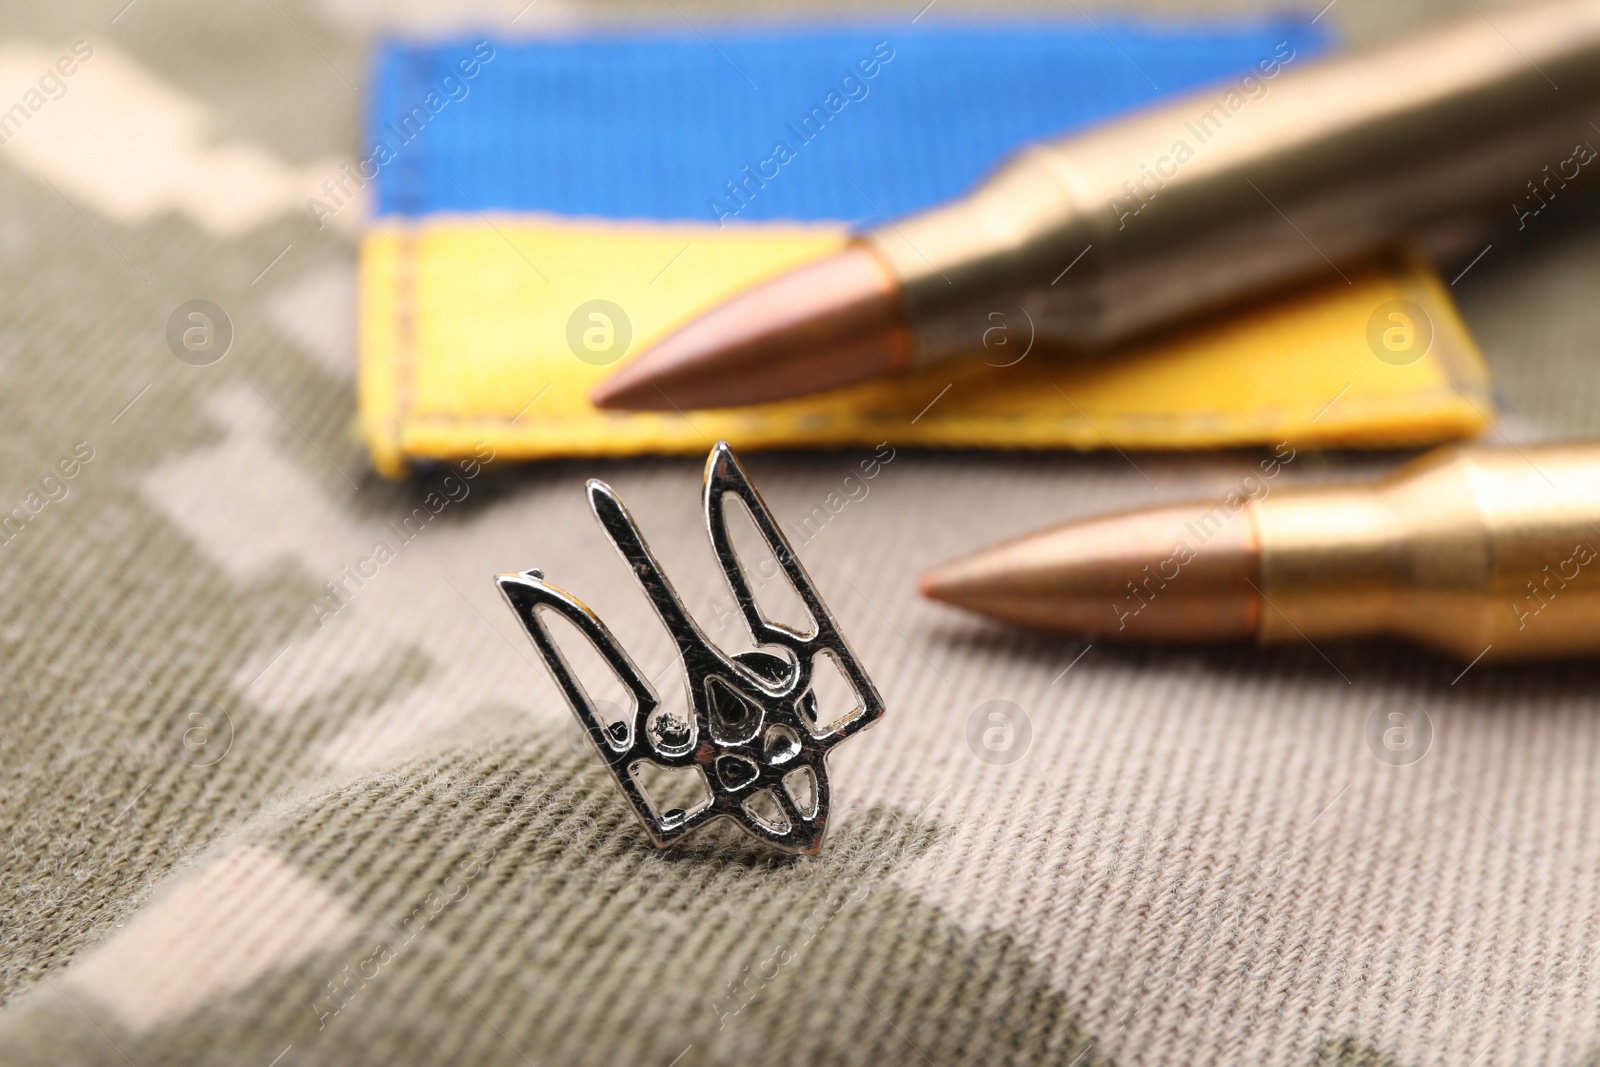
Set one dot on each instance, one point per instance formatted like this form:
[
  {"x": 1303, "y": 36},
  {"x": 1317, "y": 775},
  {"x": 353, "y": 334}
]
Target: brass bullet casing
[
  {"x": 1465, "y": 550},
  {"x": 1490, "y": 553},
  {"x": 1246, "y": 186},
  {"x": 1269, "y": 181}
]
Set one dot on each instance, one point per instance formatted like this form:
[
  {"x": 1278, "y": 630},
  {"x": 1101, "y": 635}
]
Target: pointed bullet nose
[
  {"x": 1033, "y": 581},
  {"x": 964, "y": 583},
  {"x": 631, "y": 389},
  {"x": 827, "y": 324},
  {"x": 1150, "y": 575}
]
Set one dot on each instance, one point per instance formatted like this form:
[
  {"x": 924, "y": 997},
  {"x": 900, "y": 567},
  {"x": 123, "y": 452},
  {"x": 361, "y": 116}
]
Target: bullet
[
  {"x": 1472, "y": 551},
  {"x": 830, "y": 323},
  {"x": 1218, "y": 196}
]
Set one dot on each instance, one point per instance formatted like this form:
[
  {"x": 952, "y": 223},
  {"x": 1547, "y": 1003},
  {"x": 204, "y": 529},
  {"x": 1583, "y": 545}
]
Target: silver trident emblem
[{"x": 754, "y": 734}]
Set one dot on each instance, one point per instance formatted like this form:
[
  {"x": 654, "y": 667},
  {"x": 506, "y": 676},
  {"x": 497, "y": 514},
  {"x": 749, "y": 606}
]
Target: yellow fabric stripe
[{"x": 464, "y": 338}]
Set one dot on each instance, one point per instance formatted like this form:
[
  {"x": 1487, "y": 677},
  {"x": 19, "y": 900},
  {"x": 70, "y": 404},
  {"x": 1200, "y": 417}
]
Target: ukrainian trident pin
[{"x": 754, "y": 733}]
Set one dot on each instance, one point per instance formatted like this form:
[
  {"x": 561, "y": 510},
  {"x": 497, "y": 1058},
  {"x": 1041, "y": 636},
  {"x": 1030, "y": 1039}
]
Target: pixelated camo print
[{"x": 282, "y": 783}]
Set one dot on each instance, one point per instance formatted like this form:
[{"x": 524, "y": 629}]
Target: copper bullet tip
[
  {"x": 1138, "y": 576},
  {"x": 827, "y": 324}
]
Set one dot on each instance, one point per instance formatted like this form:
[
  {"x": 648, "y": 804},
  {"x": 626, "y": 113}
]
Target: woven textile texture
[
  {"x": 918, "y": 113},
  {"x": 271, "y": 799}
]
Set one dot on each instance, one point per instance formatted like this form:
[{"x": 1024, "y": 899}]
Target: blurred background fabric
[{"x": 273, "y": 796}]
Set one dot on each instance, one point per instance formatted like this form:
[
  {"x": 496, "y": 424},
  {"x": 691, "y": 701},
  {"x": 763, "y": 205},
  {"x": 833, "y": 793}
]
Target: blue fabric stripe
[{"x": 654, "y": 126}]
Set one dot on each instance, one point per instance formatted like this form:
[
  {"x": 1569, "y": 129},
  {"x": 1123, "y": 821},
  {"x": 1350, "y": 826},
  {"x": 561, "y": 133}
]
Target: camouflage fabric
[{"x": 283, "y": 783}]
